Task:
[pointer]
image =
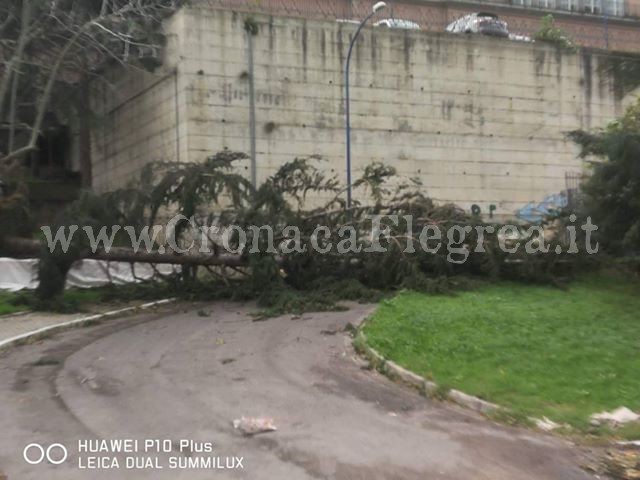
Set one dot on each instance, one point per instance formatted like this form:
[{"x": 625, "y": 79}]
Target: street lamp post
[{"x": 376, "y": 8}]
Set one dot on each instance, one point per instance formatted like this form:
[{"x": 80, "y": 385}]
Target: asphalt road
[{"x": 185, "y": 373}]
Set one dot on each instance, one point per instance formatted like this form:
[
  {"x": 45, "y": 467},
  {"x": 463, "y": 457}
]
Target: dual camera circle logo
[{"x": 34, "y": 453}]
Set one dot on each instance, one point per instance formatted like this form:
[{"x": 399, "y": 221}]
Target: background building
[{"x": 607, "y": 24}]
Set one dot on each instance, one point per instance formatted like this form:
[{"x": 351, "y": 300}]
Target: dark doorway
[{"x": 51, "y": 159}]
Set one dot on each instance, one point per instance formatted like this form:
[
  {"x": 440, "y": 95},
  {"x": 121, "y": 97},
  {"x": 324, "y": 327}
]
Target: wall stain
[
  {"x": 473, "y": 115},
  {"x": 305, "y": 49},
  {"x": 272, "y": 36},
  {"x": 374, "y": 53},
  {"x": 403, "y": 125},
  {"x": 447, "y": 107},
  {"x": 434, "y": 51},
  {"x": 408, "y": 45},
  {"x": 539, "y": 59},
  {"x": 430, "y": 52},
  {"x": 602, "y": 79},
  {"x": 305, "y": 44},
  {"x": 470, "y": 55},
  {"x": 230, "y": 93},
  {"x": 469, "y": 119},
  {"x": 558, "y": 65},
  {"x": 587, "y": 65}
]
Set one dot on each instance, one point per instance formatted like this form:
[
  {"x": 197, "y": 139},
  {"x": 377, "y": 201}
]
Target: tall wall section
[{"x": 480, "y": 120}]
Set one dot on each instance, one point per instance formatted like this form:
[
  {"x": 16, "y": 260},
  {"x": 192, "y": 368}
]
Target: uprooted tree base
[{"x": 294, "y": 277}]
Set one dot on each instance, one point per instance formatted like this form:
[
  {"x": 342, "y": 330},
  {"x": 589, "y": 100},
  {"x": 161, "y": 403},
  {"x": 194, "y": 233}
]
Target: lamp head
[{"x": 379, "y": 6}]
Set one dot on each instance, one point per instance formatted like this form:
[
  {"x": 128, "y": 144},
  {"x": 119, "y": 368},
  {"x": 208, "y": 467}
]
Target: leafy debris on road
[
  {"x": 253, "y": 426},
  {"x": 623, "y": 464}
]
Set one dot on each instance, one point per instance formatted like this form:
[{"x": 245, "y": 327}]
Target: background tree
[
  {"x": 46, "y": 46},
  {"x": 613, "y": 190}
]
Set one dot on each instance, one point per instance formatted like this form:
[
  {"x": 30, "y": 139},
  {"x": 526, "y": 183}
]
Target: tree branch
[
  {"x": 56, "y": 34},
  {"x": 18, "y": 53}
]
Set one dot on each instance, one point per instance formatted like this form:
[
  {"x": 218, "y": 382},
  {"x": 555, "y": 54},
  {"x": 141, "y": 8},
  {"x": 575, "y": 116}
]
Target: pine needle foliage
[{"x": 295, "y": 274}]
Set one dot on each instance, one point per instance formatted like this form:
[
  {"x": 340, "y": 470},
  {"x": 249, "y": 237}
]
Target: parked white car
[
  {"x": 482, "y": 22},
  {"x": 397, "y": 23}
]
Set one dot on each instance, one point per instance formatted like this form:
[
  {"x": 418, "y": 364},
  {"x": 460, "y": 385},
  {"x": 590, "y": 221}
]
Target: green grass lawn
[
  {"x": 71, "y": 301},
  {"x": 78, "y": 300},
  {"x": 6, "y": 305},
  {"x": 541, "y": 351}
]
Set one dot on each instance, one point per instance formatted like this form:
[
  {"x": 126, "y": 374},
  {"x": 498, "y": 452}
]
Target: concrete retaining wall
[{"x": 479, "y": 120}]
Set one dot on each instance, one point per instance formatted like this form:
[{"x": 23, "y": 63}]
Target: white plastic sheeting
[{"x": 18, "y": 274}]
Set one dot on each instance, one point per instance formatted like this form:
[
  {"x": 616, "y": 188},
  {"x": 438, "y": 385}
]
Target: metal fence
[
  {"x": 573, "y": 186},
  {"x": 606, "y": 24}
]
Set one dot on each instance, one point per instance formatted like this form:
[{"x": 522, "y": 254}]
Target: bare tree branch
[
  {"x": 6, "y": 22},
  {"x": 12, "y": 110},
  {"x": 18, "y": 53},
  {"x": 43, "y": 103},
  {"x": 67, "y": 44}
]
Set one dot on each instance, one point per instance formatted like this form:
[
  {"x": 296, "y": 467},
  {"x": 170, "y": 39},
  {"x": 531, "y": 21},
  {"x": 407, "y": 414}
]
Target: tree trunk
[
  {"x": 86, "y": 172},
  {"x": 30, "y": 247}
]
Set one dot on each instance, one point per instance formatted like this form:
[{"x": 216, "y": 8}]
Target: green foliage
[
  {"x": 8, "y": 304},
  {"x": 550, "y": 33},
  {"x": 213, "y": 193},
  {"x": 419, "y": 282},
  {"x": 89, "y": 210},
  {"x": 81, "y": 300},
  {"x": 613, "y": 190},
  {"x": 67, "y": 302},
  {"x": 181, "y": 188},
  {"x": 251, "y": 26},
  {"x": 14, "y": 210}
]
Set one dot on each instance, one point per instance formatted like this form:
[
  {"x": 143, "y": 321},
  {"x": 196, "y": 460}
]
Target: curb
[
  {"x": 427, "y": 387},
  {"x": 15, "y": 314},
  {"x": 34, "y": 334}
]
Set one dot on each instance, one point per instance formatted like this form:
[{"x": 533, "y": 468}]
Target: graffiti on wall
[
  {"x": 535, "y": 212},
  {"x": 476, "y": 210}
]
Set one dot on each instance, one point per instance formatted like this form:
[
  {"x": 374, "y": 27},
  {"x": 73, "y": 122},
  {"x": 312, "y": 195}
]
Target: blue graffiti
[{"x": 536, "y": 212}]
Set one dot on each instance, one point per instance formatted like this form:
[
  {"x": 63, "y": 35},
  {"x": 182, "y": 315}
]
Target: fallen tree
[{"x": 382, "y": 235}]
